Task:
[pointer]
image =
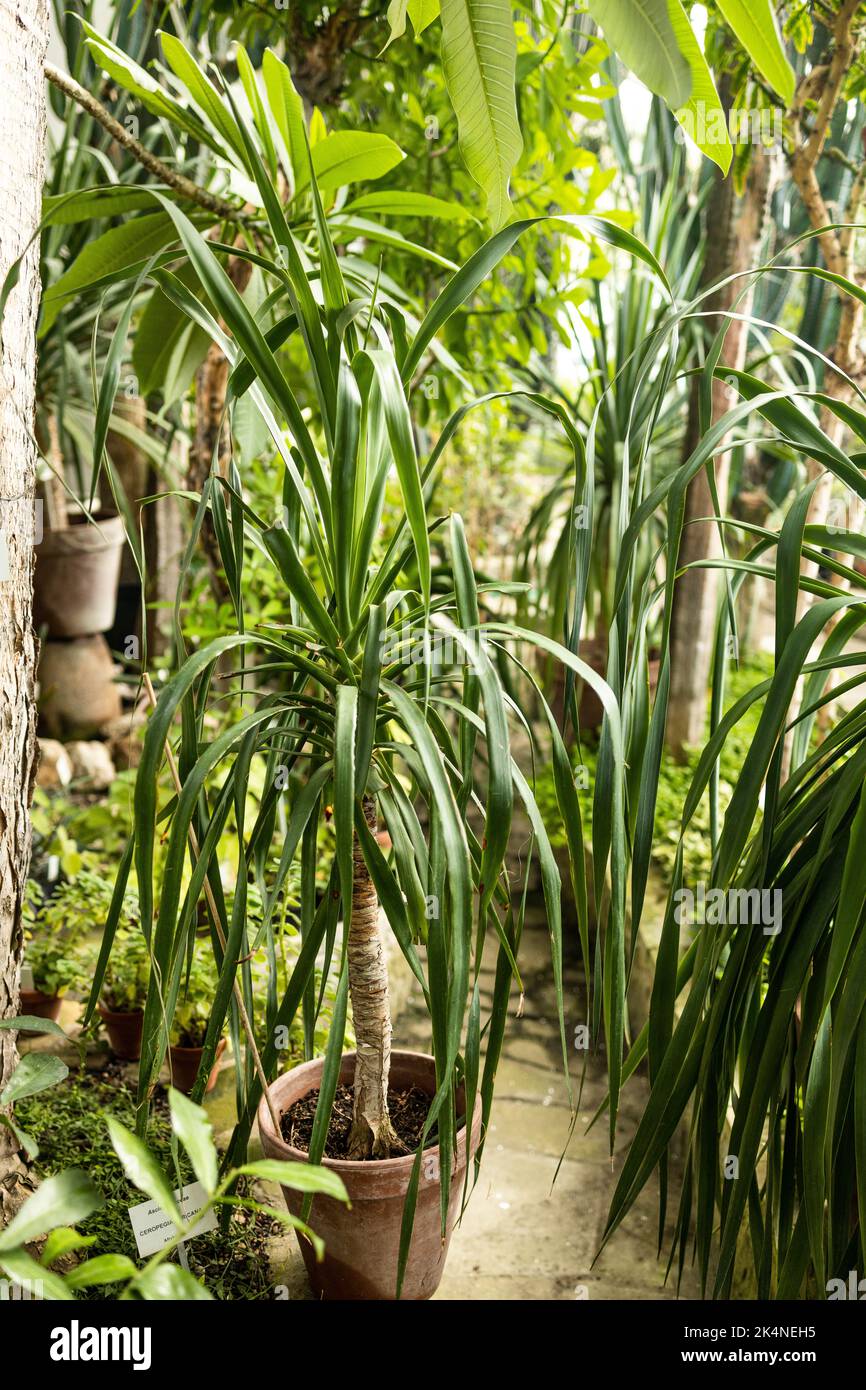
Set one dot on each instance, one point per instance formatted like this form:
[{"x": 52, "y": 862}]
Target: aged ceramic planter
[
  {"x": 78, "y": 691},
  {"x": 124, "y": 1032},
  {"x": 38, "y": 1005},
  {"x": 77, "y": 571},
  {"x": 362, "y": 1243},
  {"x": 185, "y": 1062}
]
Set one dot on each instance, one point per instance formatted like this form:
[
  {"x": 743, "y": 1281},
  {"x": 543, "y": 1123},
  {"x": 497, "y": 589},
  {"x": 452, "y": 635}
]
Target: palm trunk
[
  {"x": 371, "y": 1135},
  {"x": 23, "y": 41},
  {"x": 734, "y": 227}
]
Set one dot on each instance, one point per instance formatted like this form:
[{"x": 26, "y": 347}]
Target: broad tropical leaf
[{"x": 479, "y": 57}]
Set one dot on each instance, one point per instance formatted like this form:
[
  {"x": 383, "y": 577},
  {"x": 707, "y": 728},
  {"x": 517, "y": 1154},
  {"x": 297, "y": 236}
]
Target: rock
[
  {"x": 124, "y": 737},
  {"x": 55, "y": 765},
  {"x": 91, "y": 764},
  {"x": 78, "y": 694}
]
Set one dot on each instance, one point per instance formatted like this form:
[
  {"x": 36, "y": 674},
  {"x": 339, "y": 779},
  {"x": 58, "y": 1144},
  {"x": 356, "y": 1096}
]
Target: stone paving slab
[{"x": 524, "y": 1236}]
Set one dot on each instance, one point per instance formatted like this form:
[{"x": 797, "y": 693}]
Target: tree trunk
[
  {"x": 734, "y": 226},
  {"x": 318, "y": 50},
  {"x": 371, "y": 1134},
  {"x": 810, "y": 119},
  {"x": 23, "y": 42}
]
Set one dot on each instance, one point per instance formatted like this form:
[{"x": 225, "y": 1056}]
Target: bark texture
[
  {"x": 23, "y": 42},
  {"x": 371, "y": 1133},
  {"x": 734, "y": 227},
  {"x": 810, "y": 119},
  {"x": 319, "y": 49}
]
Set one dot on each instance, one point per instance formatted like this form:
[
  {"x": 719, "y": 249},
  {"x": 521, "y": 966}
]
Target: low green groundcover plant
[
  {"x": 55, "y": 929},
  {"x": 71, "y": 1120}
]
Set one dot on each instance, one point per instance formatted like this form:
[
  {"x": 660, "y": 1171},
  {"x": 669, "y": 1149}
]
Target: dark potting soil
[{"x": 408, "y": 1110}]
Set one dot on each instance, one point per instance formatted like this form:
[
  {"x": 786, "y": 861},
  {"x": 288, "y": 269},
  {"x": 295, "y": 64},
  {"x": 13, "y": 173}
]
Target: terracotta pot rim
[
  {"x": 350, "y": 1167},
  {"x": 37, "y": 994},
  {"x": 188, "y": 1051},
  {"x": 119, "y": 1013}
]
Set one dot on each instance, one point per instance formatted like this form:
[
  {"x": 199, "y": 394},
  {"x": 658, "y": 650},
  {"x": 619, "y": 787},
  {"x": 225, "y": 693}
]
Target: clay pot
[
  {"x": 77, "y": 570},
  {"x": 362, "y": 1242},
  {"x": 78, "y": 693},
  {"x": 185, "y": 1062},
  {"x": 590, "y": 710},
  {"x": 124, "y": 1032},
  {"x": 39, "y": 1005}
]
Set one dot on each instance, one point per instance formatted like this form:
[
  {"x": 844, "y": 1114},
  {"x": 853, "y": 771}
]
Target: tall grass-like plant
[{"x": 363, "y": 714}]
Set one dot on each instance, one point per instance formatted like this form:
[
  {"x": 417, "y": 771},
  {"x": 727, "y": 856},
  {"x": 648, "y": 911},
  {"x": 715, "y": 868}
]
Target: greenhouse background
[{"x": 432, "y": 812}]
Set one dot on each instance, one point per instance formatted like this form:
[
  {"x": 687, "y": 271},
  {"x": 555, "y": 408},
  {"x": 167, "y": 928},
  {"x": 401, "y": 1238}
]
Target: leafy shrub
[{"x": 124, "y": 988}]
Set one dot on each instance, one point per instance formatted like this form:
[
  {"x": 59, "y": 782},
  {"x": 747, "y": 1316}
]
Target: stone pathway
[{"x": 522, "y": 1238}]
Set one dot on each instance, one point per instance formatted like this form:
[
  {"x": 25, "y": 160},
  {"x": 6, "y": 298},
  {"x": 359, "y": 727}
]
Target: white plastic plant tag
[
  {"x": 153, "y": 1229},
  {"x": 27, "y": 978}
]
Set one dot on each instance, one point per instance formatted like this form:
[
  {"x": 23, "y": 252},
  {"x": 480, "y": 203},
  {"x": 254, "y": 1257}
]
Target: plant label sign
[{"x": 153, "y": 1229}]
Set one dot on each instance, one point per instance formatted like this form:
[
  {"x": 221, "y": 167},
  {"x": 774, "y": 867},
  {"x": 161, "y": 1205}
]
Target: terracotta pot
[
  {"x": 124, "y": 1032},
  {"x": 362, "y": 1242},
  {"x": 590, "y": 710},
  {"x": 77, "y": 571},
  {"x": 40, "y": 1005},
  {"x": 185, "y": 1062}
]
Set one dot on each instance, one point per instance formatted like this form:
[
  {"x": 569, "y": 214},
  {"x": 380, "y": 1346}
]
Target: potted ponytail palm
[{"x": 381, "y": 707}]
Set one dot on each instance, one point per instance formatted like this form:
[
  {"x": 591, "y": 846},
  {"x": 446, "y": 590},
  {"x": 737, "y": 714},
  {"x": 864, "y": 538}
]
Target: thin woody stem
[
  {"x": 809, "y": 148},
  {"x": 179, "y": 182}
]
